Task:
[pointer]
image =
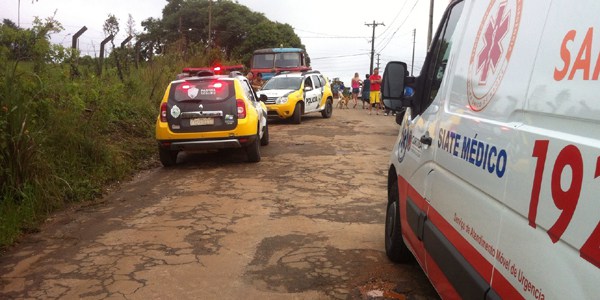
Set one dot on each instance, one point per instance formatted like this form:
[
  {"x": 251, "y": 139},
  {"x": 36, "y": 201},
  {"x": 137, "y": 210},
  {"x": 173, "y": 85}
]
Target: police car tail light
[
  {"x": 241, "y": 109},
  {"x": 218, "y": 85},
  {"x": 184, "y": 87},
  {"x": 163, "y": 112}
]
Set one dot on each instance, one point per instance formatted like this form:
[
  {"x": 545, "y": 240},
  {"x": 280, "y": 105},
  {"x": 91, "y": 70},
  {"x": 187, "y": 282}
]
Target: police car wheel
[
  {"x": 297, "y": 116},
  {"x": 326, "y": 112},
  {"x": 168, "y": 158},
  {"x": 395, "y": 249},
  {"x": 253, "y": 150},
  {"x": 265, "y": 139}
]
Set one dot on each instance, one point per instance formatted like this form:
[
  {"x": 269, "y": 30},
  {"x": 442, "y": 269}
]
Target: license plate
[{"x": 202, "y": 121}]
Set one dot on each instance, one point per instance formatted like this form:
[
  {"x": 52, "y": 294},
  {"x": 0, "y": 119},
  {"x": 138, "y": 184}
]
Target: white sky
[{"x": 334, "y": 32}]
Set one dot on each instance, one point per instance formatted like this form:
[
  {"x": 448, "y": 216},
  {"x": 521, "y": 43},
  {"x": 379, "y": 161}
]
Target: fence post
[
  {"x": 126, "y": 41},
  {"x": 77, "y": 35},
  {"x": 101, "y": 58},
  {"x": 137, "y": 52},
  {"x": 74, "y": 70}
]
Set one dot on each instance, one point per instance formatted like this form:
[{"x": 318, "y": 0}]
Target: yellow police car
[
  {"x": 206, "y": 111},
  {"x": 290, "y": 95}
]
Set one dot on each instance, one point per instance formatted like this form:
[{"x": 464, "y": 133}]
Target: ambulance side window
[{"x": 442, "y": 52}]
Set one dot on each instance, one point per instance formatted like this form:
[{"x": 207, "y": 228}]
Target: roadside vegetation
[{"x": 68, "y": 130}]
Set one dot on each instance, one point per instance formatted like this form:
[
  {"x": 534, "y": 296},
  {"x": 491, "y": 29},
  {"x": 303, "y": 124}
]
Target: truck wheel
[
  {"x": 297, "y": 116},
  {"x": 168, "y": 158},
  {"x": 253, "y": 150},
  {"x": 326, "y": 112},
  {"x": 395, "y": 249},
  {"x": 265, "y": 139}
]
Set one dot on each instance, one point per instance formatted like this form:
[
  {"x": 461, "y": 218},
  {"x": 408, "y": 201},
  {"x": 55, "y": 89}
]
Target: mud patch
[{"x": 299, "y": 263}]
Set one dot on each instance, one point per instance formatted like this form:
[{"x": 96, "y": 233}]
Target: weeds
[{"x": 63, "y": 139}]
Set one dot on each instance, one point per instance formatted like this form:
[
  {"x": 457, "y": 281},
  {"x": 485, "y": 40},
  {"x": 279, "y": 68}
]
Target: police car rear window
[{"x": 202, "y": 90}]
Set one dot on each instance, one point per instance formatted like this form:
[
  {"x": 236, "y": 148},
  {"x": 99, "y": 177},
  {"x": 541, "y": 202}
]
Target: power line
[
  {"x": 338, "y": 56},
  {"x": 394, "y": 20},
  {"x": 327, "y": 35},
  {"x": 374, "y": 24},
  {"x": 411, "y": 10},
  {"x": 333, "y": 37}
]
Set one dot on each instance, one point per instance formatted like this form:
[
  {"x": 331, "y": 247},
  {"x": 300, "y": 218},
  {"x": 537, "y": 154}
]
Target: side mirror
[
  {"x": 307, "y": 89},
  {"x": 262, "y": 97},
  {"x": 392, "y": 91}
]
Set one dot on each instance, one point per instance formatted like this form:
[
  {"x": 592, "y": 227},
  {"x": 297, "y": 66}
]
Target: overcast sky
[{"x": 334, "y": 31}]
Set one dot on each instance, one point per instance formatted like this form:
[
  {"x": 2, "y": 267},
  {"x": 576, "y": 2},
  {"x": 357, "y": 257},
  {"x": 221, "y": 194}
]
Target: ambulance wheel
[
  {"x": 253, "y": 150},
  {"x": 297, "y": 116},
  {"x": 168, "y": 158},
  {"x": 395, "y": 249}
]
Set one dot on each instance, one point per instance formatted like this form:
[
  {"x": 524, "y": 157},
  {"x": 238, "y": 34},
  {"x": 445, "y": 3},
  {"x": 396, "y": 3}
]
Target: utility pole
[
  {"x": 374, "y": 24},
  {"x": 413, "y": 54},
  {"x": 430, "y": 23},
  {"x": 378, "y": 54}
]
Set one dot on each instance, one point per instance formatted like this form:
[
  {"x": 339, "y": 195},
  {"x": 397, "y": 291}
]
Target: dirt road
[{"x": 307, "y": 222}]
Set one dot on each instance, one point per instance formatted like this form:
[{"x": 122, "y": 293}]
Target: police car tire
[
  {"x": 326, "y": 113},
  {"x": 395, "y": 249},
  {"x": 168, "y": 158},
  {"x": 253, "y": 150},
  {"x": 297, "y": 116},
  {"x": 265, "y": 139}
]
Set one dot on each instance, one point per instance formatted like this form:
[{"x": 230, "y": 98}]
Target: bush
[
  {"x": 65, "y": 132},
  {"x": 63, "y": 139}
]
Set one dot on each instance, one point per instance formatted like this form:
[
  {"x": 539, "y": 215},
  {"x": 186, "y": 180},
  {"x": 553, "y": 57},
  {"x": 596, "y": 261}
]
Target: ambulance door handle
[{"x": 426, "y": 139}]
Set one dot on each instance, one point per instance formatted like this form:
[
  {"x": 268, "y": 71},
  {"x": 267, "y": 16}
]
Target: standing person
[
  {"x": 366, "y": 92},
  {"x": 257, "y": 82},
  {"x": 355, "y": 83},
  {"x": 250, "y": 76},
  {"x": 335, "y": 88},
  {"x": 375, "y": 96}
]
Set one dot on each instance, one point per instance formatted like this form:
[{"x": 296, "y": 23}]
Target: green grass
[
  {"x": 65, "y": 135},
  {"x": 63, "y": 139}
]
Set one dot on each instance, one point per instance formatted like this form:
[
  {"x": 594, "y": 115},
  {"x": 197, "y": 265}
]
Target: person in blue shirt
[{"x": 366, "y": 91}]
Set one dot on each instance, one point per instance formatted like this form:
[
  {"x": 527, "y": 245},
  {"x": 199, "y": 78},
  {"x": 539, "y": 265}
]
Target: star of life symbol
[{"x": 492, "y": 50}]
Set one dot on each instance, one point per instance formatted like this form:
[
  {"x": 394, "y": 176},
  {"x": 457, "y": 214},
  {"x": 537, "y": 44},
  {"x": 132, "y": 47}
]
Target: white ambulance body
[{"x": 494, "y": 182}]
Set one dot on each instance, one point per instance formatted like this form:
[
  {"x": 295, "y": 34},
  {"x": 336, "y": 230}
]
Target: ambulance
[{"x": 494, "y": 179}]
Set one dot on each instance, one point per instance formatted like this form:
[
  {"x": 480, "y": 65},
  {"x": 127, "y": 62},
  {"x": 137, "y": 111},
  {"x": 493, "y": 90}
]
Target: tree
[
  {"x": 151, "y": 40},
  {"x": 9, "y": 24},
  {"x": 268, "y": 35},
  {"x": 130, "y": 30},
  {"x": 235, "y": 30},
  {"x": 111, "y": 26}
]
